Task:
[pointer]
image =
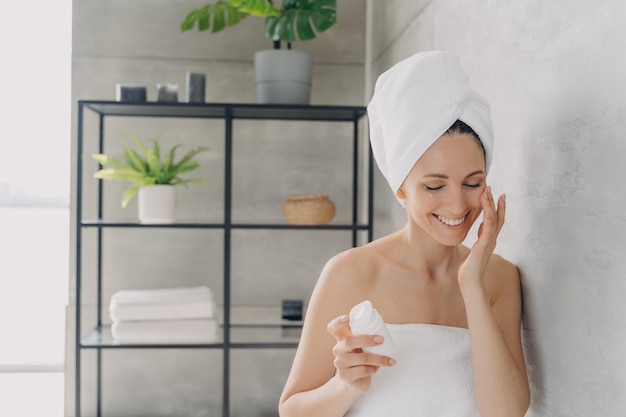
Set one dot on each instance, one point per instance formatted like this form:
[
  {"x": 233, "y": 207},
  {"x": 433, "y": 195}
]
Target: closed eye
[
  {"x": 433, "y": 188},
  {"x": 474, "y": 185}
]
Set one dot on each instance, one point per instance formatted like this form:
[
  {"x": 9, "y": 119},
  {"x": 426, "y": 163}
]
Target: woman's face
[{"x": 442, "y": 191}]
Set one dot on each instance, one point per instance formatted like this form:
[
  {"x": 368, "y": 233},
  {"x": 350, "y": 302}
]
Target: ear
[{"x": 400, "y": 193}]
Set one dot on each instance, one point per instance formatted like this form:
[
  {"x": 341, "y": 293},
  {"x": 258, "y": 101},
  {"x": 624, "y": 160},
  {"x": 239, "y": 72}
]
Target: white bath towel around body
[
  {"x": 432, "y": 376},
  {"x": 162, "y": 304}
]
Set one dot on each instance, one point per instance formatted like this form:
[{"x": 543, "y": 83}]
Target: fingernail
[
  {"x": 489, "y": 186},
  {"x": 392, "y": 361},
  {"x": 504, "y": 197},
  {"x": 379, "y": 339},
  {"x": 343, "y": 318}
]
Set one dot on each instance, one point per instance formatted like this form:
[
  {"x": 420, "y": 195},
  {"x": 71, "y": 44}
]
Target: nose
[{"x": 456, "y": 203}]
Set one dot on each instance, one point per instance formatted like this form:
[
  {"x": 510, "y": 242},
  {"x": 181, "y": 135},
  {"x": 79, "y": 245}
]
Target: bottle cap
[{"x": 364, "y": 319}]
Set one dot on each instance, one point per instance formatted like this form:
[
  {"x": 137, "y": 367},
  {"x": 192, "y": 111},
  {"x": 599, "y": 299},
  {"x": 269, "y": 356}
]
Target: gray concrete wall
[
  {"x": 554, "y": 74},
  {"x": 140, "y": 42}
]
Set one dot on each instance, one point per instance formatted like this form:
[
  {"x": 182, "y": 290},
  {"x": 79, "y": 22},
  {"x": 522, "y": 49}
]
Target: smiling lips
[{"x": 450, "y": 222}]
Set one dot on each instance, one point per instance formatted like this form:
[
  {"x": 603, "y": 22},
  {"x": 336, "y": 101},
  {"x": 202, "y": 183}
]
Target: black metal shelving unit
[{"x": 233, "y": 336}]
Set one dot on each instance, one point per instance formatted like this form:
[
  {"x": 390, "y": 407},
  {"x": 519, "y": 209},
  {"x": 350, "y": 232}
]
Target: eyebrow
[{"x": 480, "y": 171}]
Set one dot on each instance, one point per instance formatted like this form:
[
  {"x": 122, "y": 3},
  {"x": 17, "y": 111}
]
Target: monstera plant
[
  {"x": 292, "y": 20},
  {"x": 287, "y": 21}
]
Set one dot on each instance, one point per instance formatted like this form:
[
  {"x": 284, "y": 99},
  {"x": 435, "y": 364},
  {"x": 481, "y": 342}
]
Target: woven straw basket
[{"x": 309, "y": 209}]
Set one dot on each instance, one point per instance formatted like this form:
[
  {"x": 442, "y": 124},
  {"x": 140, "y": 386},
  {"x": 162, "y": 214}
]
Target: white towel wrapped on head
[
  {"x": 162, "y": 304},
  {"x": 414, "y": 103}
]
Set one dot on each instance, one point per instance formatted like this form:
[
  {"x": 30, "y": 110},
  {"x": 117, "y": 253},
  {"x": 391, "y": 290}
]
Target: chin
[{"x": 447, "y": 241}]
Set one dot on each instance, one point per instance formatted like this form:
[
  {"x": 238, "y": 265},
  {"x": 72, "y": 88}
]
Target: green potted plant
[
  {"x": 153, "y": 176},
  {"x": 281, "y": 75}
]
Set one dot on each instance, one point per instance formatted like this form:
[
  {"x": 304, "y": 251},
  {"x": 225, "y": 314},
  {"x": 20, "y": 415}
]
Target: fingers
[
  {"x": 352, "y": 364},
  {"x": 486, "y": 201},
  {"x": 339, "y": 327},
  {"x": 355, "y": 365},
  {"x": 351, "y": 346},
  {"x": 501, "y": 212},
  {"x": 345, "y": 358},
  {"x": 358, "y": 342},
  {"x": 353, "y": 374},
  {"x": 493, "y": 218}
]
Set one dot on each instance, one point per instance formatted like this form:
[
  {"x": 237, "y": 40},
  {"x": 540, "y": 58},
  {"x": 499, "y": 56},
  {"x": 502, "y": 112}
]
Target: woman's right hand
[{"x": 354, "y": 367}]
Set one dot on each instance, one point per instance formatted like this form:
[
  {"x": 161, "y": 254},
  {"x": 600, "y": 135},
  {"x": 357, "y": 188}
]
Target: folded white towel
[
  {"x": 163, "y": 311},
  {"x": 162, "y": 295},
  {"x": 414, "y": 103},
  {"x": 162, "y": 304},
  {"x": 165, "y": 331}
]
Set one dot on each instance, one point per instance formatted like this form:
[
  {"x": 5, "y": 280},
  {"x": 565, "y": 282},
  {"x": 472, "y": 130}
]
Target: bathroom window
[{"x": 35, "y": 137}]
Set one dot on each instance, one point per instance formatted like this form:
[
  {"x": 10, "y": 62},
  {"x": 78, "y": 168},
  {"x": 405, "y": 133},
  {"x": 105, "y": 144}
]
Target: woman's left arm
[{"x": 500, "y": 379}]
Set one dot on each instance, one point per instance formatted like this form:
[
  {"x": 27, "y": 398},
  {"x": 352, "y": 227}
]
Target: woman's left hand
[{"x": 473, "y": 268}]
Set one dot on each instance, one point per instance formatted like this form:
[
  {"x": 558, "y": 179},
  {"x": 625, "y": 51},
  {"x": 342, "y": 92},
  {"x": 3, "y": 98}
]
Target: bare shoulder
[
  {"x": 502, "y": 278},
  {"x": 349, "y": 277},
  {"x": 502, "y": 267},
  {"x": 352, "y": 269}
]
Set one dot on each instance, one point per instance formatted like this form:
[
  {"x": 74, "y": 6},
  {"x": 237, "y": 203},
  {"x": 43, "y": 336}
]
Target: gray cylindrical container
[
  {"x": 195, "y": 87},
  {"x": 364, "y": 319}
]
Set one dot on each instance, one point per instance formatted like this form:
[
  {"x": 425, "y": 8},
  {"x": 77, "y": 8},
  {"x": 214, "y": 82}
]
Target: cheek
[
  {"x": 476, "y": 207},
  {"x": 474, "y": 200},
  {"x": 426, "y": 200}
]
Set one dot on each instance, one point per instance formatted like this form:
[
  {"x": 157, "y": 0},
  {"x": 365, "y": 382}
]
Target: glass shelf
[
  {"x": 265, "y": 336},
  {"x": 242, "y": 336},
  {"x": 299, "y": 227},
  {"x": 135, "y": 223},
  {"x": 101, "y": 337},
  {"x": 206, "y": 225}
]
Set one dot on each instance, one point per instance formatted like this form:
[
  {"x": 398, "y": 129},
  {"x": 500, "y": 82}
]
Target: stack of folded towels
[{"x": 163, "y": 315}]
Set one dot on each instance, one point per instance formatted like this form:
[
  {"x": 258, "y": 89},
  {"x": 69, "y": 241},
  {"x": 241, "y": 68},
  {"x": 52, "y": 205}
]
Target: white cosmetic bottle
[{"x": 364, "y": 319}]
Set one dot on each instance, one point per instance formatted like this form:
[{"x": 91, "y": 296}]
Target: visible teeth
[{"x": 451, "y": 222}]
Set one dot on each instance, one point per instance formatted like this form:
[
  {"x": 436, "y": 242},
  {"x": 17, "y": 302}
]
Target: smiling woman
[{"x": 453, "y": 312}]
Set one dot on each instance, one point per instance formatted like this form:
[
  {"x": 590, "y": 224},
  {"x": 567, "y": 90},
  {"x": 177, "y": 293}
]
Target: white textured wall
[
  {"x": 140, "y": 42},
  {"x": 555, "y": 75}
]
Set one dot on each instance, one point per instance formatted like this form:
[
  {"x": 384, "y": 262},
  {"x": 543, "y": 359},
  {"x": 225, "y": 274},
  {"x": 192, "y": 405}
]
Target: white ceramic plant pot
[
  {"x": 283, "y": 76},
  {"x": 156, "y": 204}
]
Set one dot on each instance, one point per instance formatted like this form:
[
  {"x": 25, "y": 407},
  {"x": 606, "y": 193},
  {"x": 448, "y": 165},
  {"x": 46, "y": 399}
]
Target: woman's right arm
[{"x": 330, "y": 371}]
